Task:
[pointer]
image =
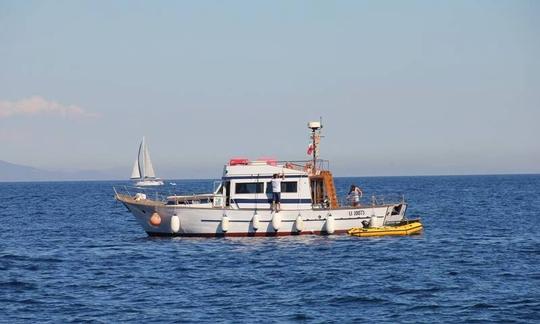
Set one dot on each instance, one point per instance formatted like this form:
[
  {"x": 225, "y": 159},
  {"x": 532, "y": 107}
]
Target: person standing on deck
[
  {"x": 355, "y": 193},
  {"x": 276, "y": 191}
]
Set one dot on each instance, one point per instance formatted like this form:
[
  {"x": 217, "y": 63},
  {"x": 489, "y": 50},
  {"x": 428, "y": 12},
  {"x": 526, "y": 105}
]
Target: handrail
[
  {"x": 296, "y": 164},
  {"x": 374, "y": 200},
  {"x": 162, "y": 196}
]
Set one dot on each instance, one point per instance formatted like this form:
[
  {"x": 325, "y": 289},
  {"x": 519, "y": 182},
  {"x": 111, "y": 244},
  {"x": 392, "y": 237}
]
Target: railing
[
  {"x": 151, "y": 193},
  {"x": 161, "y": 195},
  {"x": 305, "y": 165},
  {"x": 155, "y": 194},
  {"x": 299, "y": 165},
  {"x": 374, "y": 200}
]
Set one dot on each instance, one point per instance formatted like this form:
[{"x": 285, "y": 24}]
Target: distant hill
[{"x": 16, "y": 172}]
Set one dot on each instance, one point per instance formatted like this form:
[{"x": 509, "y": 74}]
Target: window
[
  {"x": 249, "y": 188},
  {"x": 286, "y": 186},
  {"x": 289, "y": 186}
]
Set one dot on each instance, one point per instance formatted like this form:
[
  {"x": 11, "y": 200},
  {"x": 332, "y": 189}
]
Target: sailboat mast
[{"x": 141, "y": 160}]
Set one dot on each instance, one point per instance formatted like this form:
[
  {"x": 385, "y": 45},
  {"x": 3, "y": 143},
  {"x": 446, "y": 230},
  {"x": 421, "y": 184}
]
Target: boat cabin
[{"x": 247, "y": 185}]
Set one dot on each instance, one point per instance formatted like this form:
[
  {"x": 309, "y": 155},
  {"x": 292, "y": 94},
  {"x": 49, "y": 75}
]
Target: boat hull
[
  {"x": 149, "y": 183},
  {"x": 249, "y": 234},
  {"x": 218, "y": 222}
]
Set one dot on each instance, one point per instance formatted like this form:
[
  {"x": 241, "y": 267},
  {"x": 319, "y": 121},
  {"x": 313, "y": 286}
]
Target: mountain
[{"x": 16, "y": 172}]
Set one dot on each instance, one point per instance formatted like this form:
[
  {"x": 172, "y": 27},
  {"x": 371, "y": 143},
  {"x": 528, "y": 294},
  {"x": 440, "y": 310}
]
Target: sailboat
[{"x": 143, "y": 172}]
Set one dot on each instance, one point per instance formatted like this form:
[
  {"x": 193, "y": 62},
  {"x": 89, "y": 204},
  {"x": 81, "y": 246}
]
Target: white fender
[
  {"x": 140, "y": 196},
  {"x": 224, "y": 223},
  {"x": 175, "y": 224},
  {"x": 299, "y": 223},
  {"x": 276, "y": 221},
  {"x": 255, "y": 222},
  {"x": 330, "y": 224},
  {"x": 155, "y": 219}
]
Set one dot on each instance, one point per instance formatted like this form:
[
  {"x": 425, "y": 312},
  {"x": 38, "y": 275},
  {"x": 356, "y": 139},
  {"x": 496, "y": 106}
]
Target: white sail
[
  {"x": 135, "y": 174},
  {"x": 140, "y": 158},
  {"x": 148, "y": 168},
  {"x": 143, "y": 169}
]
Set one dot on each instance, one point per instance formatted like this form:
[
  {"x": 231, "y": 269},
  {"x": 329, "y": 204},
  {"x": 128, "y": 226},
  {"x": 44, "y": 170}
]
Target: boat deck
[
  {"x": 145, "y": 202},
  {"x": 158, "y": 203}
]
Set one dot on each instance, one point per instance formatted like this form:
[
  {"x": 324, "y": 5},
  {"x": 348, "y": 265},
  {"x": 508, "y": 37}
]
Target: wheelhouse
[{"x": 247, "y": 185}]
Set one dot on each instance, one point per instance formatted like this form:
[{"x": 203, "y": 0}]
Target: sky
[{"x": 403, "y": 87}]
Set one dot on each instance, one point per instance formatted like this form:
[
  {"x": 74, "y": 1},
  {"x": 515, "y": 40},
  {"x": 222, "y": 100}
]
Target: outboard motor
[{"x": 376, "y": 221}]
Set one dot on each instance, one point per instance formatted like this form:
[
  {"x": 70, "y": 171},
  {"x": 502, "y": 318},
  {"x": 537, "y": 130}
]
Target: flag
[{"x": 310, "y": 149}]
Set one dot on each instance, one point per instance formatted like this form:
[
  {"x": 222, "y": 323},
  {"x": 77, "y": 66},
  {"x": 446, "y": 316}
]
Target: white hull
[
  {"x": 149, "y": 183},
  {"x": 196, "y": 221}
]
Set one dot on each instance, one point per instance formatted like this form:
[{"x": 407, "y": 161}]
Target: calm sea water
[{"x": 69, "y": 252}]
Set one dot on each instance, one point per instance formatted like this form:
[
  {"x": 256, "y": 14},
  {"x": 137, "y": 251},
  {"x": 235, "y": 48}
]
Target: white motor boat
[
  {"x": 143, "y": 172},
  {"x": 241, "y": 205}
]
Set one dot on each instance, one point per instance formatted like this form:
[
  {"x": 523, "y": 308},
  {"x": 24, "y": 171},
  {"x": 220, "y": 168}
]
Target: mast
[
  {"x": 315, "y": 137},
  {"x": 141, "y": 159}
]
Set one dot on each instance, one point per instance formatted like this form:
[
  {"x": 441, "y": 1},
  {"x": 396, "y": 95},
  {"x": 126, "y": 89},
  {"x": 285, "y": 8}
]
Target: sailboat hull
[{"x": 149, "y": 183}]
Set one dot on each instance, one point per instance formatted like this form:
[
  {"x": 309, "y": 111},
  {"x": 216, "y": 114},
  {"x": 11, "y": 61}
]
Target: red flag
[{"x": 310, "y": 149}]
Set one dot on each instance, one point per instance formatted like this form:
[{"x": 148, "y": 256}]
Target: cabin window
[
  {"x": 249, "y": 188},
  {"x": 289, "y": 186},
  {"x": 286, "y": 186}
]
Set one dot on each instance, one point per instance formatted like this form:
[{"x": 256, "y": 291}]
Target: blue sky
[{"x": 404, "y": 87}]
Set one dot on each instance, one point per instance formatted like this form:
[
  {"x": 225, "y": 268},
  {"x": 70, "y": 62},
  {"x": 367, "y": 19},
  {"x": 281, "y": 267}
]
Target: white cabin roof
[{"x": 261, "y": 168}]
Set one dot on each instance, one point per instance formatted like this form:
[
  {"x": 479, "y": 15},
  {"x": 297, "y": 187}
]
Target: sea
[{"x": 70, "y": 253}]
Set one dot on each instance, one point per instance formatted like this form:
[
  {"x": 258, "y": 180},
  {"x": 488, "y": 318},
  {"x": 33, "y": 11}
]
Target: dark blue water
[{"x": 69, "y": 253}]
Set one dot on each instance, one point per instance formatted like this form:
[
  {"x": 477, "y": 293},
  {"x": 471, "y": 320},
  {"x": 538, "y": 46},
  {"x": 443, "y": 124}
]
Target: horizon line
[{"x": 335, "y": 177}]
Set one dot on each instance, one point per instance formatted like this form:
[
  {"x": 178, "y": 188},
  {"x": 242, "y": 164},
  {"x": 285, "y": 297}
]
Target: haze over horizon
[{"x": 404, "y": 88}]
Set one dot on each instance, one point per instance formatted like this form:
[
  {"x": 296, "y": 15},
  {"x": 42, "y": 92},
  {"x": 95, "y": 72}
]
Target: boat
[
  {"x": 406, "y": 228},
  {"x": 241, "y": 204},
  {"x": 143, "y": 172}
]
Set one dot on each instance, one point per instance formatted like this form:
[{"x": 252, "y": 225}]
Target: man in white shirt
[{"x": 276, "y": 191}]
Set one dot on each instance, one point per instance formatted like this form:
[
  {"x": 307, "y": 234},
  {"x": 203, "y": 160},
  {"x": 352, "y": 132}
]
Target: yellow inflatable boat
[{"x": 413, "y": 227}]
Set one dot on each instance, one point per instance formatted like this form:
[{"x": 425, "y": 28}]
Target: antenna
[
  {"x": 315, "y": 137},
  {"x": 314, "y": 125}
]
